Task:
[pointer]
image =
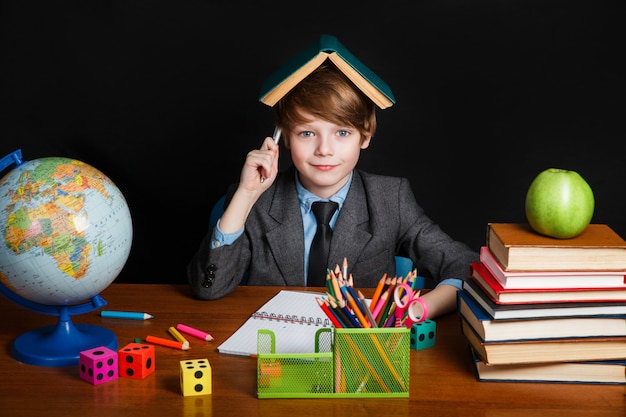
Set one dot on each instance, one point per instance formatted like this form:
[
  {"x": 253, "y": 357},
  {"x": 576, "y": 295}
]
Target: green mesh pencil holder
[{"x": 347, "y": 363}]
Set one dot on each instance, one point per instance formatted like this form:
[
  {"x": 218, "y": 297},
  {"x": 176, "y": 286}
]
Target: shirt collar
[{"x": 307, "y": 198}]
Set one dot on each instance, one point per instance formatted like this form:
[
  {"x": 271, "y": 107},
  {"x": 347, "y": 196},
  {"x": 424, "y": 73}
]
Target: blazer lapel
[
  {"x": 286, "y": 240},
  {"x": 351, "y": 232}
]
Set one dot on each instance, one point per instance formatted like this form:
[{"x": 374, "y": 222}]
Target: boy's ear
[{"x": 366, "y": 142}]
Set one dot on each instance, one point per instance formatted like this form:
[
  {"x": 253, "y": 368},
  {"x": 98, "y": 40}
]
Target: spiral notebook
[{"x": 293, "y": 316}]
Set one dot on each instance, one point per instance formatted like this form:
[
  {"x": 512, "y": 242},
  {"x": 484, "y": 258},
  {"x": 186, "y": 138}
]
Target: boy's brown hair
[{"x": 328, "y": 94}]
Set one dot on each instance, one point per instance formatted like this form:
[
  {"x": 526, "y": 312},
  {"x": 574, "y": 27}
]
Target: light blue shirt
[{"x": 308, "y": 218}]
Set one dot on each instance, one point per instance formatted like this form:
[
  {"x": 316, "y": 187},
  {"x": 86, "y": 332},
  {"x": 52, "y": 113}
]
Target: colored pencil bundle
[{"x": 347, "y": 308}]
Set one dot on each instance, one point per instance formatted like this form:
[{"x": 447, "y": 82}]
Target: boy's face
[{"x": 324, "y": 153}]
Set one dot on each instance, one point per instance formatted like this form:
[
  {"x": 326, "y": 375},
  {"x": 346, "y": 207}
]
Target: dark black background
[{"x": 162, "y": 96}]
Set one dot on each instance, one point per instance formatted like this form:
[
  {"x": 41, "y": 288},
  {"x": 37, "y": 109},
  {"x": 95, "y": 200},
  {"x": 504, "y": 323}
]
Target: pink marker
[{"x": 194, "y": 332}]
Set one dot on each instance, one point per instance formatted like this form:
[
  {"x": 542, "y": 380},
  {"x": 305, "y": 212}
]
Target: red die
[{"x": 136, "y": 360}]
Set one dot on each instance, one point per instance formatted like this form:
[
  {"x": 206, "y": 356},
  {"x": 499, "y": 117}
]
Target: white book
[{"x": 541, "y": 310}]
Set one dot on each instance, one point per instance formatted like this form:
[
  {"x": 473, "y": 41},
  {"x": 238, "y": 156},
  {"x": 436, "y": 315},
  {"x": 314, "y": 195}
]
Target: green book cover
[{"x": 310, "y": 58}]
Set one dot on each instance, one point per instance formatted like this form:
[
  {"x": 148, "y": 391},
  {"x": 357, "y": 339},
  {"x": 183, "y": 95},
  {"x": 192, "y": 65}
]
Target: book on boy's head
[
  {"x": 566, "y": 349},
  {"x": 500, "y": 330},
  {"x": 277, "y": 85},
  {"x": 481, "y": 274},
  {"x": 551, "y": 279},
  {"x": 598, "y": 372},
  {"x": 541, "y": 310},
  {"x": 519, "y": 248}
]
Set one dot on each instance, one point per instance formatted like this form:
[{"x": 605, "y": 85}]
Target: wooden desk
[{"x": 442, "y": 380}]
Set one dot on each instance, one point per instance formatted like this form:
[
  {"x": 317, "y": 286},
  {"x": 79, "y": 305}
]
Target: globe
[{"x": 65, "y": 235}]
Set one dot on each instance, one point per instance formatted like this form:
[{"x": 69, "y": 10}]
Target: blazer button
[{"x": 209, "y": 276}]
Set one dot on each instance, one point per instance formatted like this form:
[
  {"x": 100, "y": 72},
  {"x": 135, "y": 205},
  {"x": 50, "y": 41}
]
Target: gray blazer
[{"x": 379, "y": 220}]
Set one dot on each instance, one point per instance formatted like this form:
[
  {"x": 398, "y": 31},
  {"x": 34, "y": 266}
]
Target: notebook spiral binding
[{"x": 311, "y": 321}]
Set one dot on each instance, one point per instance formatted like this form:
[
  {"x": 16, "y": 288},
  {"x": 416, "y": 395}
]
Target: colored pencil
[
  {"x": 195, "y": 332},
  {"x": 377, "y": 292},
  {"x": 344, "y": 313},
  {"x": 391, "y": 316},
  {"x": 387, "y": 284},
  {"x": 335, "y": 282},
  {"x": 380, "y": 305},
  {"x": 339, "y": 272},
  {"x": 389, "y": 296},
  {"x": 370, "y": 317},
  {"x": 175, "y": 344},
  {"x": 339, "y": 318},
  {"x": 176, "y": 334},
  {"x": 355, "y": 307},
  {"x": 341, "y": 314},
  {"x": 125, "y": 315},
  {"x": 331, "y": 316},
  {"x": 329, "y": 282},
  {"x": 382, "y": 318},
  {"x": 414, "y": 279},
  {"x": 384, "y": 314}
]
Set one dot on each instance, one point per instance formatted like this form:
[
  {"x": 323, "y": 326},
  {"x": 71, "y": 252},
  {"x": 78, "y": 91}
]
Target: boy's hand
[{"x": 261, "y": 166}]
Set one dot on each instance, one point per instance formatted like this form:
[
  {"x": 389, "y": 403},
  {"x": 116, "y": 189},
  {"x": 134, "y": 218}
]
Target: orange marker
[{"x": 167, "y": 342}]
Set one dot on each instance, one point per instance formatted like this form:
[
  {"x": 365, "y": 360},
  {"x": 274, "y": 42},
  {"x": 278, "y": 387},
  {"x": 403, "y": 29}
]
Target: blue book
[
  {"x": 491, "y": 330},
  {"x": 542, "y": 310}
]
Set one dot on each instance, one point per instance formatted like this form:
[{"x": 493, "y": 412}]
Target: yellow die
[{"x": 195, "y": 377}]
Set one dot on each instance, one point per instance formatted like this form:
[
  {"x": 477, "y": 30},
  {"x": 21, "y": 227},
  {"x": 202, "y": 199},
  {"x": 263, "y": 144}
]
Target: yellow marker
[{"x": 177, "y": 335}]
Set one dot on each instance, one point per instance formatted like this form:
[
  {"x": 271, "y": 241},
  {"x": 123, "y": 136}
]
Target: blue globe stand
[{"x": 59, "y": 345}]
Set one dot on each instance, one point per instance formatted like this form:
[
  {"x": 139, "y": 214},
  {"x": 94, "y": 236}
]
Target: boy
[{"x": 267, "y": 227}]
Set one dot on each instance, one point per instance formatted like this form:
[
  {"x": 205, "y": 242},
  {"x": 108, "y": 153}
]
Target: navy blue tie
[{"x": 318, "y": 256}]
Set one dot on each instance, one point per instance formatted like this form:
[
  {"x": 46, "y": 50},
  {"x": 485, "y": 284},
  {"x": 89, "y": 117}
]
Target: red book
[
  {"x": 551, "y": 279},
  {"x": 483, "y": 277}
]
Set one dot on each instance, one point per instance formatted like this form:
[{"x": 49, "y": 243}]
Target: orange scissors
[{"x": 405, "y": 297}]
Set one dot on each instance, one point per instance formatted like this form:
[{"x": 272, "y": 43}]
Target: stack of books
[{"x": 541, "y": 309}]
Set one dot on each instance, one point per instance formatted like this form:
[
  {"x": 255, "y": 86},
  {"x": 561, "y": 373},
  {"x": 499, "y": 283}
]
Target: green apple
[{"x": 559, "y": 203}]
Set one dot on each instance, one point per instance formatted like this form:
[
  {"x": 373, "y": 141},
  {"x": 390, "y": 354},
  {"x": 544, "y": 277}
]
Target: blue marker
[{"x": 125, "y": 315}]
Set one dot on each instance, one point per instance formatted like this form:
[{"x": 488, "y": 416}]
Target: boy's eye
[
  {"x": 306, "y": 133},
  {"x": 343, "y": 133}
]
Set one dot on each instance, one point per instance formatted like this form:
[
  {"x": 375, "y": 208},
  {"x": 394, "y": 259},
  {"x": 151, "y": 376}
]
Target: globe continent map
[{"x": 65, "y": 231}]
